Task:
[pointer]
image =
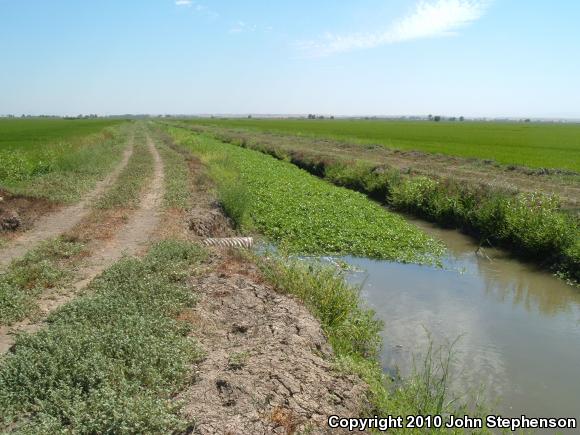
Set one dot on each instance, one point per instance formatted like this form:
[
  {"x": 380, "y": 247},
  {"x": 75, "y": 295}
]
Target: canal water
[{"x": 518, "y": 328}]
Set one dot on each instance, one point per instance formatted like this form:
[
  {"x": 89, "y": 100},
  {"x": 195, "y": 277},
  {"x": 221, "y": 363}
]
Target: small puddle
[{"x": 519, "y": 327}]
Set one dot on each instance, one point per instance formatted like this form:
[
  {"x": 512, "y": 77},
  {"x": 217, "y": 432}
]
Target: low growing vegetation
[
  {"x": 126, "y": 190},
  {"x": 177, "y": 189},
  {"x": 301, "y": 213},
  {"x": 58, "y": 160},
  {"x": 109, "y": 361},
  {"x": 46, "y": 267}
]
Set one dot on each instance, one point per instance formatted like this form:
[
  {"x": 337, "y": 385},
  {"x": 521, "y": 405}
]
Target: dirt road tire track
[
  {"x": 59, "y": 222},
  {"x": 130, "y": 239}
]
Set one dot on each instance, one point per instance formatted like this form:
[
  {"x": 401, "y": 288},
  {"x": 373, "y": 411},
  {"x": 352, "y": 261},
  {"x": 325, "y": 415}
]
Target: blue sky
[{"x": 389, "y": 57}]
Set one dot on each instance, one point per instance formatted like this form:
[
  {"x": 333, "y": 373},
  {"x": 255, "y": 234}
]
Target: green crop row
[
  {"x": 110, "y": 361},
  {"x": 301, "y": 213}
]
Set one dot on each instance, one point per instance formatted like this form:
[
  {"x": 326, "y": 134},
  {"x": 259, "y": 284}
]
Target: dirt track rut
[
  {"x": 63, "y": 220},
  {"x": 129, "y": 240}
]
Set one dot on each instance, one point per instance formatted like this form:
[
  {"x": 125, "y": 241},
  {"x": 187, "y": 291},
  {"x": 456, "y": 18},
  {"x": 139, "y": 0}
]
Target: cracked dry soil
[{"x": 267, "y": 368}]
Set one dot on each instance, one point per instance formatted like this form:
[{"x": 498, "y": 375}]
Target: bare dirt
[
  {"x": 56, "y": 222},
  {"x": 267, "y": 366},
  {"x": 18, "y": 212},
  {"x": 129, "y": 239}
]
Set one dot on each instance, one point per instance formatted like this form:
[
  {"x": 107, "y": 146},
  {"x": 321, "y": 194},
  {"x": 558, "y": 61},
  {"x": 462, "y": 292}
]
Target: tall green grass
[{"x": 110, "y": 361}]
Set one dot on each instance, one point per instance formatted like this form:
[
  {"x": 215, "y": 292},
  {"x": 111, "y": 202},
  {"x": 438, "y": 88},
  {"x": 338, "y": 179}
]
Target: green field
[
  {"x": 28, "y": 133},
  {"x": 57, "y": 159},
  {"x": 540, "y": 145},
  {"x": 302, "y": 213}
]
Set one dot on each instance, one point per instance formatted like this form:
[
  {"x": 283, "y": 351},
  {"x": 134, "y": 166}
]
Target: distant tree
[
  {"x": 430, "y": 117},
  {"x": 321, "y": 117},
  {"x": 436, "y": 118},
  {"x": 311, "y": 116},
  {"x": 331, "y": 116},
  {"x": 453, "y": 118},
  {"x": 249, "y": 116},
  {"x": 527, "y": 120},
  {"x": 461, "y": 118}
]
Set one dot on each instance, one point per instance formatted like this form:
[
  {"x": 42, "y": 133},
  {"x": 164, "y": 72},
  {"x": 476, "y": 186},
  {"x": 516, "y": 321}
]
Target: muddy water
[{"x": 519, "y": 328}]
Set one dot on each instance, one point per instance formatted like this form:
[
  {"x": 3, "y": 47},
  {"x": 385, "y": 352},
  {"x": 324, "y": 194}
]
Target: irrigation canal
[{"x": 518, "y": 327}]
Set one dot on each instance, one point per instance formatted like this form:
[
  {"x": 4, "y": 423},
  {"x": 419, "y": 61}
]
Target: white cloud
[
  {"x": 430, "y": 19},
  {"x": 242, "y": 26},
  {"x": 197, "y": 7}
]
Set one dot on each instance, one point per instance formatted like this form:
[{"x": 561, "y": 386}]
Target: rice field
[
  {"x": 57, "y": 159},
  {"x": 539, "y": 145}
]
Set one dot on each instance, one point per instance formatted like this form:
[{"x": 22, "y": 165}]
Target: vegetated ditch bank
[
  {"x": 302, "y": 214},
  {"x": 351, "y": 329},
  {"x": 529, "y": 224},
  {"x": 497, "y": 305},
  {"x": 122, "y": 357}
]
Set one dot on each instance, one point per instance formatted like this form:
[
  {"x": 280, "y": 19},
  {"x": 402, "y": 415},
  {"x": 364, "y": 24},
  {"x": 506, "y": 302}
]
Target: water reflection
[
  {"x": 519, "y": 327},
  {"x": 506, "y": 278}
]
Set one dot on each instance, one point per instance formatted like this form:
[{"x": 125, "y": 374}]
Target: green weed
[
  {"x": 177, "y": 189},
  {"x": 126, "y": 190},
  {"x": 302, "y": 213},
  {"x": 109, "y": 361},
  {"x": 238, "y": 360},
  {"x": 39, "y": 270}
]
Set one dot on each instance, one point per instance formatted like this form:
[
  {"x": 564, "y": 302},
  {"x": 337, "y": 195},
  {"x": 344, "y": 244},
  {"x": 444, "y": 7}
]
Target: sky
[{"x": 494, "y": 58}]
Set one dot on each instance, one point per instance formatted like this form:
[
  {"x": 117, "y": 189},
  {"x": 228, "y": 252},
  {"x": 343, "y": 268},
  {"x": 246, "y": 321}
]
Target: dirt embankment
[{"x": 267, "y": 367}]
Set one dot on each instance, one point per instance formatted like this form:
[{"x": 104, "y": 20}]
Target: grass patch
[
  {"x": 301, "y": 213},
  {"x": 109, "y": 361},
  {"x": 60, "y": 171},
  {"x": 353, "y": 333},
  {"x": 46, "y": 267},
  {"x": 126, "y": 190},
  {"x": 177, "y": 189},
  {"x": 238, "y": 360}
]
